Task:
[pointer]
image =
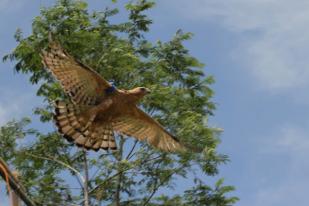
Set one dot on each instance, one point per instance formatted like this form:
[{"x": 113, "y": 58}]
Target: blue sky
[{"x": 257, "y": 52}]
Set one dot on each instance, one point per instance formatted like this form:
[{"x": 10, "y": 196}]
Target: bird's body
[
  {"x": 98, "y": 109},
  {"x": 120, "y": 103}
]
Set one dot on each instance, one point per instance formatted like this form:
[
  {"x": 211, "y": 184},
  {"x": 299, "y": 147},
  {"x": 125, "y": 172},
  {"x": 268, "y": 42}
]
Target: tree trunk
[
  {"x": 86, "y": 191},
  {"x": 15, "y": 184},
  {"x": 14, "y": 197},
  {"x": 119, "y": 178}
]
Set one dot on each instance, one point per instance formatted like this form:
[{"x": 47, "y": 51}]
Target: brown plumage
[{"x": 99, "y": 109}]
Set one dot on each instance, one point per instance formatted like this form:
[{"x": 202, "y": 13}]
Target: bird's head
[{"x": 139, "y": 91}]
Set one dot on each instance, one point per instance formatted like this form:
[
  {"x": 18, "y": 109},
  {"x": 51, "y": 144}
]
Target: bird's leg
[
  {"x": 92, "y": 113},
  {"x": 104, "y": 105}
]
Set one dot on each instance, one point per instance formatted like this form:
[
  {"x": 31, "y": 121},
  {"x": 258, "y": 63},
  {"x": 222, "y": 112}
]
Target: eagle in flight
[{"x": 98, "y": 109}]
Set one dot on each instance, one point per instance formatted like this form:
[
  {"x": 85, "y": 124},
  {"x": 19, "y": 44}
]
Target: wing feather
[
  {"x": 141, "y": 126},
  {"x": 83, "y": 84}
]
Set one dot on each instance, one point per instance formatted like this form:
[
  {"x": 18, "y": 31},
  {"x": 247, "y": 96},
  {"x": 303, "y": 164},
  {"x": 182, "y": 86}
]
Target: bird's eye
[{"x": 142, "y": 89}]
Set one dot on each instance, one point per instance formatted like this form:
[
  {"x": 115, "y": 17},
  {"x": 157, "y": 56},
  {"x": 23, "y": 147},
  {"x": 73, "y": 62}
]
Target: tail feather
[
  {"x": 108, "y": 139},
  {"x": 83, "y": 130}
]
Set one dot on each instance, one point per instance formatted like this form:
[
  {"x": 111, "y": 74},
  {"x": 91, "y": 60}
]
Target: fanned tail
[{"x": 77, "y": 126}]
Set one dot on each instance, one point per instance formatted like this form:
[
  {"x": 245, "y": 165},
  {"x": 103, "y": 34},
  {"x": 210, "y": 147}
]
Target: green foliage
[
  {"x": 39, "y": 177},
  {"x": 205, "y": 195},
  {"x": 181, "y": 101},
  {"x": 200, "y": 195},
  {"x": 10, "y": 134}
]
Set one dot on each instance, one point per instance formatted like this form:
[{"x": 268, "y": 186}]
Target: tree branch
[
  {"x": 15, "y": 184},
  {"x": 86, "y": 191},
  {"x": 118, "y": 173},
  {"x": 132, "y": 149},
  {"x": 161, "y": 183},
  {"x": 79, "y": 175},
  {"x": 99, "y": 168},
  {"x": 119, "y": 179}
]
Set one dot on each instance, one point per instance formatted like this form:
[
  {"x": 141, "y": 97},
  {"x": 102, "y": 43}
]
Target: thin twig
[
  {"x": 100, "y": 168},
  {"x": 79, "y": 182},
  {"x": 161, "y": 183},
  {"x": 61, "y": 163},
  {"x": 116, "y": 174},
  {"x": 119, "y": 177},
  {"x": 135, "y": 143}
]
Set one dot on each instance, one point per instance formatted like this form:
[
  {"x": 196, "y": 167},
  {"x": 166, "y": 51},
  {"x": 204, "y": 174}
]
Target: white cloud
[
  {"x": 288, "y": 149},
  {"x": 14, "y": 105},
  {"x": 291, "y": 140},
  {"x": 274, "y": 36},
  {"x": 8, "y": 112},
  {"x": 286, "y": 194}
]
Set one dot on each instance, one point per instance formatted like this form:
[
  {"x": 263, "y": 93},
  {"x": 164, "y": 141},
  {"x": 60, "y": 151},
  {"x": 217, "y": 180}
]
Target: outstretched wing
[
  {"x": 84, "y": 85},
  {"x": 140, "y": 125}
]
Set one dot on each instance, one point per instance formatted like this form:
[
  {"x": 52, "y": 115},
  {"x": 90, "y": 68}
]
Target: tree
[{"x": 133, "y": 175}]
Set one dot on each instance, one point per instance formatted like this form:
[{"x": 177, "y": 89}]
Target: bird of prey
[{"x": 99, "y": 109}]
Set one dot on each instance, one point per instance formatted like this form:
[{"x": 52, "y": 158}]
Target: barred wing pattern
[
  {"x": 83, "y": 131},
  {"x": 84, "y": 85},
  {"x": 141, "y": 126}
]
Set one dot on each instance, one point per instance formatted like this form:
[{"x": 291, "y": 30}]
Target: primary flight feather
[{"x": 98, "y": 109}]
